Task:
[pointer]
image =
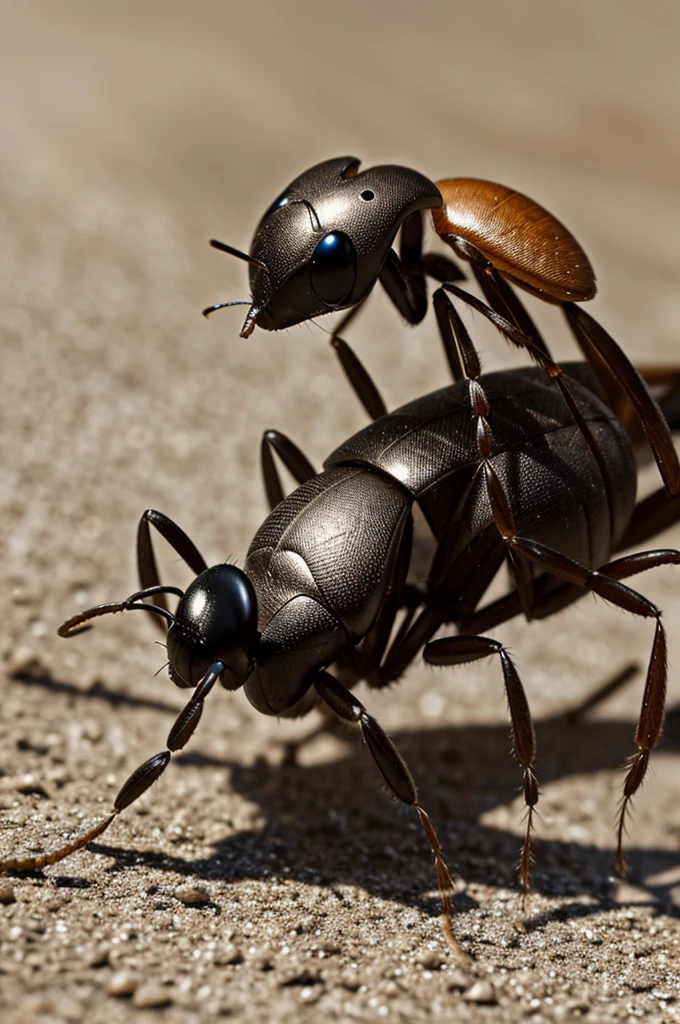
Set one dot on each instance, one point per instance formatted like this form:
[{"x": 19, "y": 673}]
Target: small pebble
[
  {"x": 230, "y": 954},
  {"x": 480, "y": 992},
  {"x": 262, "y": 962},
  {"x": 97, "y": 957},
  {"x": 430, "y": 960},
  {"x": 29, "y": 784},
  {"x": 151, "y": 995},
  {"x": 122, "y": 983},
  {"x": 458, "y": 979},
  {"x": 39, "y": 742},
  {"x": 93, "y": 731},
  {"x": 304, "y": 977},
  {"x": 90, "y": 682},
  {"x": 192, "y": 895},
  {"x": 36, "y": 1006},
  {"x": 7, "y": 894},
  {"x": 24, "y": 662},
  {"x": 59, "y": 776},
  {"x": 350, "y": 980}
]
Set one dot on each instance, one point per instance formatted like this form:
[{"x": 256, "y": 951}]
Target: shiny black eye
[
  {"x": 333, "y": 268},
  {"x": 276, "y": 205},
  {"x": 367, "y": 195}
]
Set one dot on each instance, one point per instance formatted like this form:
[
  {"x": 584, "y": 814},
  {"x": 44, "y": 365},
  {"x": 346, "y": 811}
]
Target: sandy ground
[{"x": 242, "y": 886}]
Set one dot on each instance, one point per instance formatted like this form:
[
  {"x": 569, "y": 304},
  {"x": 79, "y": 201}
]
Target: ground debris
[{"x": 480, "y": 992}]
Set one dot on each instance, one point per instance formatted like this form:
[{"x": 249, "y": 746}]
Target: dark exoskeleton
[
  {"x": 502, "y": 470},
  {"x": 531, "y": 467},
  {"x": 322, "y": 245},
  {"x": 328, "y": 240}
]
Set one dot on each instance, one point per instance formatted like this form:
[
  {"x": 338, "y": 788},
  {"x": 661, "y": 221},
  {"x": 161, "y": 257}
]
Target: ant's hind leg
[
  {"x": 458, "y": 650},
  {"x": 606, "y": 356}
]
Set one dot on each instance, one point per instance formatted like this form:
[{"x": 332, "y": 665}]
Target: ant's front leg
[{"x": 137, "y": 784}]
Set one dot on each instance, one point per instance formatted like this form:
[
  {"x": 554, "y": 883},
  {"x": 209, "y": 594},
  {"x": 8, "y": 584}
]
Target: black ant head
[
  {"x": 215, "y": 623},
  {"x": 322, "y": 243}
]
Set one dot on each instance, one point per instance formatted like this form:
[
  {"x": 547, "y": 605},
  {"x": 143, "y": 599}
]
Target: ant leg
[
  {"x": 525, "y": 553},
  {"x": 651, "y": 516},
  {"x": 458, "y": 650},
  {"x": 356, "y": 373},
  {"x": 596, "y": 344},
  {"x": 664, "y": 383},
  {"x": 293, "y": 459},
  {"x": 447, "y": 596},
  {"x": 379, "y": 675},
  {"x": 605, "y": 583},
  {"x": 450, "y": 324},
  {"x": 403, "y": 277},
  {"x": 176, "y": 537},
  {"x": 440, "y": 268},
  {"x": 396, "y": 774},
  {"x": 359, "y": 378},
  {"x": 442, "y": 310},
  {"x": 465, "y": 362},
  {"x": 411, "y": 263},
  {"x": 552, "y": 599},
  {"x": 404, "y": 281},
  {"x": 418, "y": 264},
  {"x": 137, "y": 784},
  {"x": 406, "y": 290},
  {"x": 501, "y": 297},
  {"x": 603, "y": 353},
  {"x": 497, "y": 292}
]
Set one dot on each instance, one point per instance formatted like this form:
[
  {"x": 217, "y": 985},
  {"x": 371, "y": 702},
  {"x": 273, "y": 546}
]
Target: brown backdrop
[{"x": 131, "y": 133}]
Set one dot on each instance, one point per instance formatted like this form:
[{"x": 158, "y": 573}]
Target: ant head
[
  {"x": 215, "y": 623},
  {"x": 321, "y": 244}
]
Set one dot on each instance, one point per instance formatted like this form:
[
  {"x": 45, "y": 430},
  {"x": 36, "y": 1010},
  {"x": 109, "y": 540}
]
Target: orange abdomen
[{"x": 517, "y": 236}]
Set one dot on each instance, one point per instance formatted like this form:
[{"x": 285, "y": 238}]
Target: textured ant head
[
  {"x": 215, "y": 623},
  {"x": 322, "y": 243}
]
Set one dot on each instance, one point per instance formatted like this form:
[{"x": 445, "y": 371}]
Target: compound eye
[
  {"x": 278, "y": 203},
  {"x": 333, "y": 268}
]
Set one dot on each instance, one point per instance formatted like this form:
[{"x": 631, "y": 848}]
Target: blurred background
[{"x": 131, "y": 133}]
